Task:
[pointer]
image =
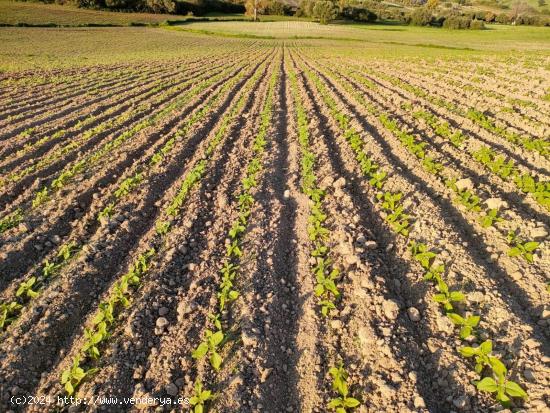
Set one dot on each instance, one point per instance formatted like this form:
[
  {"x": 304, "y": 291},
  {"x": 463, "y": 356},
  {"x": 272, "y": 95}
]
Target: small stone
[
  {"x": 23, "y": 227},
  {"x": 391, "y": 309},
  {"x": 184, "y": 308},
  {"x": 460, "y": 402},
  {"x": 386, "y": 391},
  {"x": 171, "y": 389},
  {"x": 495, "y": 203},
  {"x": 516, "y": 275},
  {"x": 371, "y": 245},
  {"x": 336, "y": 324},
  {"x": 414, "y": 314},
  {"x": 161, "y": 322},
  {"x": 138, "y": 373},
  {"x": 366, "y": 283},
  {"x": 338, "y": 193},
  {"x": 531, "y": 343},
  {"x": 286, "y": 194},
  {"x": 163, "y": 311},
  {"x": 463, "y": 184},
  {"x": 264, "y": 374},
  {"x": 249, "y": 340},
  {"x": 339, "y": 183},
  {"x": 529, "y": 375},
  {"x": 419, "y": 403},
  {"x": 326, "y": 182},
  {"x": 539, "y": 233}
]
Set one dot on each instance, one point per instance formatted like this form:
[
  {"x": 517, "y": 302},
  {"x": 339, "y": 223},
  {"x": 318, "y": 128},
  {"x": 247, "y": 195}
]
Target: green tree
[
  {"x": 422, "y": 16},
  {"x": 325, "y": 11}
]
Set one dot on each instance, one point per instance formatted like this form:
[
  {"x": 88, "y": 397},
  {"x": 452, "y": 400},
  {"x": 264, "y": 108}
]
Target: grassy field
[
  {"x": 24, "y": 48},
  {"x": 495, "y": 38},
  {"x": 275, "y": 216},
  {"x": 14, "y": 13},
  {"x": 34, "y": 13}
]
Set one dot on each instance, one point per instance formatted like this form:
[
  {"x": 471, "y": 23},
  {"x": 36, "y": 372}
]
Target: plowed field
[{"x": 293, "y": 227}]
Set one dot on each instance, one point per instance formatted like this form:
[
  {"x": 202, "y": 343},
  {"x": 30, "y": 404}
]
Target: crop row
[
  {"x": 215, "y": 338},
  {"x": 48, "y": 269},
  {"x": 120, "y": 294},
  {"x": 465, "y": 193},
  {"x": 482, "y": 120},
  {"x": 506, "y": 169},
  {"x": 493, "y": 373},
  {"x": 84, "y": 164},
  {"x": 325, "y": 273},
  {"x": 498, "y": 164},
  {"x": 106, "y": 116},
  {"x": 139, "y": 176}
]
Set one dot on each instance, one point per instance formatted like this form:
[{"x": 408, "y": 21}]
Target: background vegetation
[{"x": 459, "y": 14}]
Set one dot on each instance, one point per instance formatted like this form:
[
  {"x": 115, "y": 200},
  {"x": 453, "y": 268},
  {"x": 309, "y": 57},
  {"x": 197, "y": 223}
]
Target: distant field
[
  {"x": 47, "y": 48},
  {"x": 14, "y": 12},
  {"x": 495, "y": 38},
  {"x": 37, "y": 14}
]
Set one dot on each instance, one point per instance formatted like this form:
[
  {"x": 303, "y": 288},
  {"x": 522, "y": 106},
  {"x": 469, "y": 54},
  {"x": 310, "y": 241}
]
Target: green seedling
[
  {"x": 491, "y": 218},
  {"x": 315, "y": 230},
  {"x": 226, "y": 291},
  {"x": 66, "y": 251},
  {"x": 162, "y": 227},
  {"x": 106, "y": 212},
  {"x": 49, "y": 269},
  {"x": 40, "y": 198},
  {"x": 377, "y": 179},
  {"x": 342, "y": 403},
  {"x": 483, "y": 357},
  {"x": 11, "y": 220},
  {"x": 504, "y": 389},
  {"x": 432, "y": 166},
  {"x": 446, "y": 297},
  {"x": 236, "y": 229},
  {"x": 74, "y": 375},
  {"x": 233, "y": 249},
  {"x": 521, "y": 248},
  {"x": 421, "y": 254},
  {"x": 7, "y": 312},
  {"x": 215, "y": 319},
  {"x": 435, "y": 273},
  {"x": 325, "y": 283},
  {"x": 469, "y": 200},
  {"x": 93, "y": 338},
  {"x": 128, "y": 185},
  {"x": 389, "y": 201},
  {"x": 199, "y": 398},
  {"x": 466, "y": 325},
  {"x": 210, "y": 346},
  {"x": 400, "y": 226},
  {"x": 26, "y": 289}
]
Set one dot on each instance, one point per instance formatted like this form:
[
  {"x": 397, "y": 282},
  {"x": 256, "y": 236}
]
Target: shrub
[
  {"x": 456, "y": 22},
  {"x": 503, "y": 18},
  {"x": 276, "y": 8},
  {"x": 361, "y": 14},
  {"x": 477, "y": 25},
  {"x": 421, "y": 17},
  {"x": 306, "y": 8},
  {"x": 161, "y": 6},
  {"x": 490, "y": 17},
  {"x": 325, "y": 11}
]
